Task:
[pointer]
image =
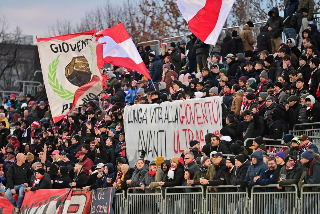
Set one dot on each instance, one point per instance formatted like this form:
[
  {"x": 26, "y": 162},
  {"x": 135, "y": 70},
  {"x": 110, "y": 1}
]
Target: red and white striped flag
[
  {"x": 119, "y": 49},
  {"x": 205, "y": 17}
]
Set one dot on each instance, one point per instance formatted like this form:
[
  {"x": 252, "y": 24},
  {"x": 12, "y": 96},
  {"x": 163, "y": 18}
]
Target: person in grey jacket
[
  {"x": 138, "y": 174},
  {"x": 149, "y": 177}
]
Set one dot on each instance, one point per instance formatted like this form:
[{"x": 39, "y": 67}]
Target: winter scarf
[
  {"x": 152, "y": 173},
  {"x": 36, "y": 181}
]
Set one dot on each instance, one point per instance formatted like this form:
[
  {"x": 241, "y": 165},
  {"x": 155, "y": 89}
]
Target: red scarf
[
  {"x": 65, "y": 137},
  {"x": 249, "y": 104},
  {"x": 289, "y": 168},
  {"x": 192, "y": 160},
  {"x": 227, "y": 92},
  {"x": 309, "y": 170},
  {"x": 36, "y": 181},
  {"x": 276, "y": 93},
  {"x": 260, "y": 105},
  {"x": 152, "y": 173},
  {"x": 32, "y": 134},
  {"x": 262, "y": 83}
]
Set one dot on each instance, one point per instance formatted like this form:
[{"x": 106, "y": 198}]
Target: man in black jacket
[
  {"x": 176, "y": 59},
  {"x": 192, "y": 54},
  {"x": 315, "y": 77},
  {"x": 4, "y": 132},
  {"x": 119, "y": 96},
  {"x": 275, "y": 28},
  {"x": 292, "y": 24},
  {"x": 202, "y": 52},
  {"x": 18, "y": 176},
  {"x": 81, "y": 178},
  {"x": 215, "y": 145},
  {"x": 40, "y": 181}
]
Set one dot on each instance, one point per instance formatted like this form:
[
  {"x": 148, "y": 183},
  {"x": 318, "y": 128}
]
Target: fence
[
  {"x": 220, "y": 200},
  {"x": 310, "y": 197},
  {"x": 310, "y": 129}
]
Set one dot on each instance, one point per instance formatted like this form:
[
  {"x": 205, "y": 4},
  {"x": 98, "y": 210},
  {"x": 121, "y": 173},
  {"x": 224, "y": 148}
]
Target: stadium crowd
[{"x": 266, "y": 88}]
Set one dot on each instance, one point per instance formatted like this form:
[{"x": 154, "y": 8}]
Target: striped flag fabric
[
  {"x": 119, "y": 49},
  {"x": 205, "y": 17}
]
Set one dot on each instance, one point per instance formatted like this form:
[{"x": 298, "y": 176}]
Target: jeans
[
  {"x": 19, "y": 189},
  {"x": 290, "y": 33}
]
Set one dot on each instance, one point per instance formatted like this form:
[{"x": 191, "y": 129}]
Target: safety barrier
[
  {"x": 310, "y": 197},
  {"x": 221, "y": 201},
  {"x": 268, "y": 199},
  {"x": 184, "y": 200},
  {"x": 120, "y": 203}
]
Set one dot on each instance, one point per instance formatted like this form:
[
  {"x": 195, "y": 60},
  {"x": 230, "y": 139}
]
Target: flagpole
[{"x": 153, "y": 85}]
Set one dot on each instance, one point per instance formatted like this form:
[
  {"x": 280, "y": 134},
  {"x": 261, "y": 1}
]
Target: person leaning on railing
[
  {"x": 290, "y": 173},
  {"x": 311, "y": 173}
]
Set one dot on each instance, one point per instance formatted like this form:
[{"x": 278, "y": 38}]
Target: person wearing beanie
[
  {"x": 289, "y": 174},
  {"x": 313, "y": 167},
  {"x": 247, "y": 37},
  {"x": 261, "y": 107},
  {"x": 279, "y": 93},
  {"x": 237, "y": 41},
  {"x": 214, "y": 91},
  {"x": 313, "y": 109},
  {"x": 175, "y": 174},
  {"x": 40, "y": 181},
  {"x": 243, "y": 83},
  {"x": 207, "y": 171},
  {"x": 314, "y": 76},
  {"x": 119, "y": 95},
  {"x": 241, "y": 166},
  {"x": 259, "y": 144},
  {"x": 253, "y": 86},
  {"x": 287, "y": 139}
]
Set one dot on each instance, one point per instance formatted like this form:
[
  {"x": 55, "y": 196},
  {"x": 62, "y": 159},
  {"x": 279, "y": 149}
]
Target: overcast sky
[{"x": 34, "y": 17}]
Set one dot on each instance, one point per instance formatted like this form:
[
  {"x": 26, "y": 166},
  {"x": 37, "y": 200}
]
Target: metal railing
[
  {"x": 265, "y": 139},
  {"x": 28, "y": 87},
  {"x": 310, "y": 197},
  {"x": 268, "y": 199},
  {"x": 312, "y": 130},
  {"x": 222, "y": 199}
]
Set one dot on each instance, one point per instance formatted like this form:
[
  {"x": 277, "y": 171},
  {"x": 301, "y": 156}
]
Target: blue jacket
[
  {"x": 266, "y": 178},
  {"x": 155, "y": 69},
  {"x": 133, "y": 94},
  {"x": 255, "y": 169}
]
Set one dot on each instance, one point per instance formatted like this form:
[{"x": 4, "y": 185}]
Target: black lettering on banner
[
  {"x": 66, "y": 47},
  {"x": 153, "y": 142}
]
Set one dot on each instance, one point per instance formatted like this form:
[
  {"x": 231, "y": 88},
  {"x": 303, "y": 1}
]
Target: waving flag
[
  {"x": 119, "y": 49},
  {"x": 70, "y": 71},
  {"x": 205, "y": 17}
]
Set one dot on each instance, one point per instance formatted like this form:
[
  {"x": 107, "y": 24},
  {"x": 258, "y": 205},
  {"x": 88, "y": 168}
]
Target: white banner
[
  {"x": 70, "y": 71},
  {"x": 166, "y": 129}
]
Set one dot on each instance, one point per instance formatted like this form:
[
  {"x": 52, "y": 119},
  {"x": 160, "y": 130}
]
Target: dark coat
[
  {"x": 222, "y": 174},
  {"x": 208, "y": 148},
  {"x": 239, "y": 173},
  {"x": 255, "y": 128},
  {"x": 201, "y": 47},
  {"x": 81, "y": 180},
  {"x": 176, "y": 61},
  {"x": 292, "y": 176},
  {"x": 276, "y": 23},
  {"x": 315, "y": 82},
  {"x": 306, "y": 73},
  {"x": 193, "y": 168},
  {"x": 238, "y": 44},
  {"x": 119, "y": 97},
  {"x": 233, "y": 69},
  {"x": 292, "y": 115},
  {"x": 266, "y": 178},
  {"x": 264, "y": 40},
  {"x": 192, "y": 52},
  {"x": 138, "y": 176},
  {"x": 177, "y": 179},
  {"x": 44, "y": 183},
  {"x": 106, "y": 155},
  {"x": 313, "y": 175},
  {"x": 228, "y": 46},
  {"x": 17, "y": 175}
]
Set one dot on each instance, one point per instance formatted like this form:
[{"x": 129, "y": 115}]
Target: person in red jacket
[{"x": 87, "y": 162}]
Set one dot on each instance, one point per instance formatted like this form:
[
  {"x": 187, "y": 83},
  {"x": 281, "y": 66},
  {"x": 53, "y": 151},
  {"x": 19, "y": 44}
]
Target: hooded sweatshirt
[{"x": 255, "y": 169}]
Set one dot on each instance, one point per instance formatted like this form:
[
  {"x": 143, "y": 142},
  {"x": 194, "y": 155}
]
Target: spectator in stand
[
  {"x": 40, "y": 181},
  {"x": 206, "y": 171},
  {"x": 175, "y": 56},
  {"x": 238, "y": 42},
  {"x": 292, "y": 111},
  {"x": 275, "y": 27},
  {"x": 175, "y": 174},
  {"x": 313, "y": 166},
  {"x": 312, "y": 110},
  {"x": 237, "y": 99},
  {"x": 41, "y": 94},
  {"x": 264, "y": 40},
  {"x": 215, "y": 145},
  {"x": 80, "y": 178},
  {"x": 18, "y": 177},
  {"x": 267, "y": 177},
  {"x": 202, "y": 53},
  {"x": 155, "y": 69},
  {"x": 192, "y": 53},
  {"x": 238, "y": 175},
  {"x": 149, "y": 178},
  {"x": 85, "y": 162},
  {"x": 138, "y": 174},
  {"x": 228, "y": 46},
  {"x": 247, "y": 38},
  {"x": 292, "y": 24},
  {"x": 255, "y": 169},
  {"x": 290, "y": 173}
]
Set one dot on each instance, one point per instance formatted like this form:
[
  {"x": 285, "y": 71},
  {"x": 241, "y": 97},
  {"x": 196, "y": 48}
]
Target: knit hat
[
  {"x": 307, "y": 155},
  {"x": 250, "y": 23},
  {"x": 42, "y": 103},
  {"x": 224, "y": 131},
  {"x": 303, "y": 137},
  {"x": 243, "y": 79},
  {"x": 240, "y": 57},
  {"x": 203, "y": 159},
  {"x": 40, "y": 171},
  {"x": 152, "y": 54},
  {"x": 251, "y": 96},
  {"x": 223, "y": 70},
  {"x": 253, "y": 85},
  {"x": 259, "y": 140},
  {"x": 295, "y": 140},
  {"x": 287, "y": 138},
  {"x": 214, "y": 90},
  {"x": 140, "y": 91},
  {"x": 183, "y": 42},
  {"x": 269, "y": 59},
  {"x": 235, "y": 148},
  {"x": 76, "y": 137},
  {"x": 172, "y": 44},
  {"x": 263, "y": 95},
  {"x": 175, "y": 159},
  {"x": 311, "y": 98},
  {"x": 35, "y": 124},
  {"x": 270, "y": 85},
  {"x": 281, "y": 155},
  {"x": 13, "y": 95},
  {"x": 231, "y": 159},
  {"x": 303, "y": 57},
  {"x": 234, "y": 33},
  {"x": 248, "y": 53},
  {"x": 251, "y": 80},
  {"x": 159, "y": 160},
  {"x": 240, "y": 158},
  {"x": 3, "y": 123},
  {"x": 278, "y": 84},
  {"x": 114, "y": 131},
  {"x": 264, "y": 74},
  {"x": 193, "y": 143}
]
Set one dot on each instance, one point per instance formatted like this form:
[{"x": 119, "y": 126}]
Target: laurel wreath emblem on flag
[{"x": 53, "y": 81}]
